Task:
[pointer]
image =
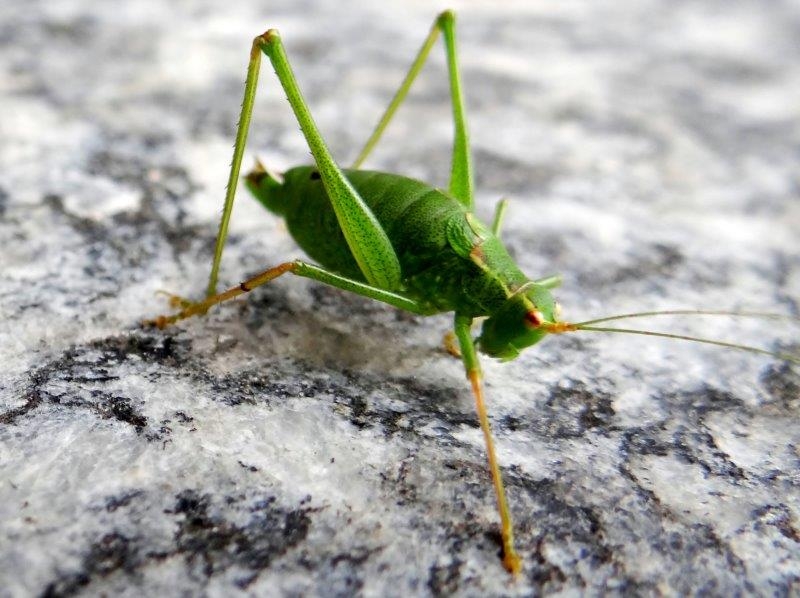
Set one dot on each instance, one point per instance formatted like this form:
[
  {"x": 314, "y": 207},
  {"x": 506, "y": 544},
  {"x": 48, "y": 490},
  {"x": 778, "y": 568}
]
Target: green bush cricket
[{"x": 405, "y": 243}]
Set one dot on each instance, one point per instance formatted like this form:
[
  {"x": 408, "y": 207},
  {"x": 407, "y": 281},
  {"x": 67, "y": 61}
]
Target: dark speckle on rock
[
  {"x": 110, "y": 554},
  {"x": 212, "y": 545},
  {"x": 782, "y": 382}
]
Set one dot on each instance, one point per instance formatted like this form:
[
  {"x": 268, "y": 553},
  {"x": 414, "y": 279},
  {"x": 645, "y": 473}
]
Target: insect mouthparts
[{"x": 560, "y": 327}]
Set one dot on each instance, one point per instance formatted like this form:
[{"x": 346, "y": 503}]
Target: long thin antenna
[
  {"x": 751, "y": 349},
  {"x": 693, "y": 312}
]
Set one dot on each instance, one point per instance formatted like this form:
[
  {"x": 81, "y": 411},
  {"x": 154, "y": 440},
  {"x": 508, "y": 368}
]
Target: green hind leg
[
  {"x": 461, "y": 185},
  {"x": 299, "y": 268},
  {"x": 365, "y": 237}
]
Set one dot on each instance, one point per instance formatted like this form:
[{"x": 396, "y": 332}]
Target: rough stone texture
[{"x": 309, "y": 442}]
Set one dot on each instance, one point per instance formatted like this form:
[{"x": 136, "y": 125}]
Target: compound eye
[{"x": 534, "y": 318}]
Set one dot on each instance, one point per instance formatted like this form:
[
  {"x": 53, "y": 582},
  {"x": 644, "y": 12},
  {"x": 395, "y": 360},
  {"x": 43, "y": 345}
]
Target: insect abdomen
[{"x": 412, "y": 213}]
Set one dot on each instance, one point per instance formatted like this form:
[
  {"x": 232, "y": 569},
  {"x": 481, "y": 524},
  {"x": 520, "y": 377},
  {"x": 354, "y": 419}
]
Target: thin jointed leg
[
  {"x": 233, "y": 176},
  {"x": 365, "y": 237},
  {"x": 461, "y": 180},
  {"x": 462, "y": 329},
  {"x": 299, "y": 268}
]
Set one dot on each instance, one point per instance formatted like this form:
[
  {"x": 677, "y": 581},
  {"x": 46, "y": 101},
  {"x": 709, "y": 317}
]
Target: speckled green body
[{"x": 449, "y": 260}]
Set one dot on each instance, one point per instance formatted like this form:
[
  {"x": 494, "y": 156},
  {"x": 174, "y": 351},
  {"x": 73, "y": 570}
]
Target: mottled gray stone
[{"x": 309, "y": 442}]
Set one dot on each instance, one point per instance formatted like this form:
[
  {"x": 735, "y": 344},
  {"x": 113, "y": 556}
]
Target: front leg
[{"x": 462, "y": 329}]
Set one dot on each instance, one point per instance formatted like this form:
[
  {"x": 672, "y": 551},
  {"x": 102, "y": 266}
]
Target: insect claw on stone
[
  {"x": 175, "y": 301},
  {"x": 451, "y": 344}
]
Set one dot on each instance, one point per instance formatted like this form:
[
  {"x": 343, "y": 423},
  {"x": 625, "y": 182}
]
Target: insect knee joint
[
  {"x": 268, "y": 38},
  {"x": 446, "y": 16}
]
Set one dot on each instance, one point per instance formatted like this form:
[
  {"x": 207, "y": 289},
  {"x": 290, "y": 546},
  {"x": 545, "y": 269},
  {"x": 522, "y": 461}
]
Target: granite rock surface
[{"x": 309, "y": 442}]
